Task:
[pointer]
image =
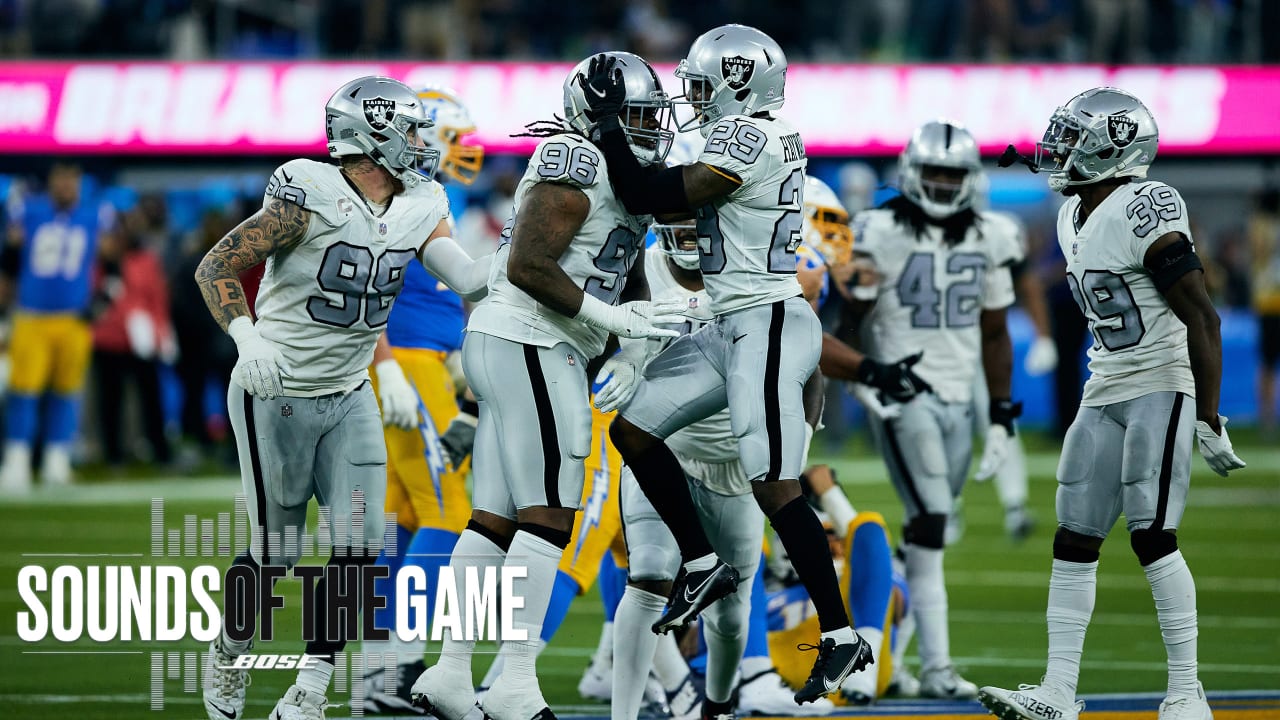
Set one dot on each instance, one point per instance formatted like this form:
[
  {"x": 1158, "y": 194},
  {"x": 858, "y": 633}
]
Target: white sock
[
  {"x": 540, "y": 559},
  {"x": 495, "y": 669},
  {"x": 477, "y": 551},
  {"x": 841, "y": 636},
  {"x": 925, "y": 583},
  {"x": 902, "y": 639},
  {"x": 724, "y": 654},
  {"x": 1011, "y": 477},
  {"x": 633, "y": 649},
  {"x": 706, "y": 562},
  {"x": 753, "y": 666},
  {"x": 1072, "y": 587},
  {"x": 1174, "y": 591},
  {"x": 875, "y": 638},
  {"x": 315, "y": 679},
  {"x": 668, "y": 664},
  {"x": 602, "y": 660}
]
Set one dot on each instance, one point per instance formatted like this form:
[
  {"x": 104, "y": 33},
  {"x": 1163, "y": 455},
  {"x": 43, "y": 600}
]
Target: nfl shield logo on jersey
[
  {"x": 286, "y": 410},
  {"x": 1121, "y": 129},
  {"x": 693, "y": 303},
  {"x": 382, "y": 228},
  {"x": 379, "y": 112},
  {"x": 736, "y": 71}
]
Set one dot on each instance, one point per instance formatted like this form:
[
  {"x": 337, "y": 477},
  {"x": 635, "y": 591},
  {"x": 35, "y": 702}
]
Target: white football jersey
[
  {"x": 748, "y": 238},
  {"x": 1139, "y": 345},
  {"x": 597, "y": 260},
  {"x": 931, "y": 294},
  {"x": 324, "y": 302},
  {"x": 706, "y": 449}
]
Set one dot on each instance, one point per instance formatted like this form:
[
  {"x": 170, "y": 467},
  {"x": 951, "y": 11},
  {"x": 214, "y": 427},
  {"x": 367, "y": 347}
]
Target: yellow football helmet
[
  {"x": 826, "y": 223},
  {"x": 452, "y": 122}
]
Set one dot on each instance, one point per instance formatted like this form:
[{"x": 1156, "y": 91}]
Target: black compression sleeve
[
  {"x": 1172, "y": 263},
  {"x": 643, "y": 191}
]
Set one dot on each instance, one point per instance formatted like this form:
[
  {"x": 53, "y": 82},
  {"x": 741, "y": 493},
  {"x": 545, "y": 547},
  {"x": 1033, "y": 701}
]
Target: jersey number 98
[{"x": 347, "y": 271}]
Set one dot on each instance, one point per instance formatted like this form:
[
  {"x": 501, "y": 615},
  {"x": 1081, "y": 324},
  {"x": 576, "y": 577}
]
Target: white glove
[
  {"x": 258, "y": 363},
  {"x": 871, "y": 400},
  {"x": 621, "y": 375},
  {"x": 399, "y": 401},
  {"x": 637, "y": 319},
  {"x": 1216, "y": 448},
  {"x": 1042, "y": 358},
  {"x": 994, "y": 451}
]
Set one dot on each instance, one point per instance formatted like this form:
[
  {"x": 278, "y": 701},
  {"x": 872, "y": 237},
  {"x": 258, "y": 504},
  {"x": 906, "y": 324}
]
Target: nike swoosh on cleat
[
  {"x": 698, "y": 589},
  {"x": 229, "y": 714}
]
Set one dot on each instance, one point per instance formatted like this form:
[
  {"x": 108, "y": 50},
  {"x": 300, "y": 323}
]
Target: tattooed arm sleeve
[{"x": 278, "y": 226}]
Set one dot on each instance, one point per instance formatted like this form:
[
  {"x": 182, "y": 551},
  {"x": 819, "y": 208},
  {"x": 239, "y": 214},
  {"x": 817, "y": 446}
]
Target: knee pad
[
  {"x": 927, "y": 530},
  {"x": 652, "y": 563},
  {"x": 727, "y": 619},
  {"x": 1071, "y": 546},
  {"x": 1151, "y": 545},
  {"x": 559, "y": 538}
]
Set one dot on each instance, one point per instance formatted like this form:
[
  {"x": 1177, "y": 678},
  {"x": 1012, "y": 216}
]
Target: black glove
[
  {"x": 1004, "y": 411},
  {"x": 458, "y": 439},
  {"x": 603, "y": 88},
  {"x": 896, "y": 380}
]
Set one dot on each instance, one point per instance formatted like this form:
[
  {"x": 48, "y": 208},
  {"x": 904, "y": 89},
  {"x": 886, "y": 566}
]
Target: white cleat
[
  {"x": 448, "y": 696},
  {"x": 944, "y": 682},
  {"x": 654, "y": 702},
  {"x": 596, "y": 683},
  {"x": 507, "y": 702},
  {"x": 859, "y": 689},
  {"x": 299, "y": 704},
  {"x": 902, "y": 684},
  {"x": 686, "y": 701},
  {"x": 55, "y": 468},
  {"x": 223, "y": 687},
  {"x": 766, "y": 693},
  {"x": 1186, "y": 708},
  {"x": 15, "y": 473},
  {"x": 1030, "y": 702}
]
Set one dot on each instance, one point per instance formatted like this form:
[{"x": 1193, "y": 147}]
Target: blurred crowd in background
[{"x": 1107, "y": 31}]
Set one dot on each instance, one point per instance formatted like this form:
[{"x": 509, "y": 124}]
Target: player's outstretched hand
[
  {"x": 1042, "y": 358},
  {"x": 896, "y": 380},
  {"x": 637, "y": 319},
  {"x": 258, "y": 362},
  {"x": 1216, "y": 449},
  {"x": 397, "y": 397},
  {"x": 603, "y": 88},
  {"x": 995, "y": 448},
  {"x": 621, "y": 376},
  {"x": 870, "y": 399}
]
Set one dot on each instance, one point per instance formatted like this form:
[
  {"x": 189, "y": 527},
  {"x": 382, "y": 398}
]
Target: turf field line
[
  {"x": 82, "y": 652},
  {"x": 1036, "y": 578},
  {"x": 1161, "y": 666},
  {"x": 80, "y": 555},
  {"x": 1018, "y": 617}
]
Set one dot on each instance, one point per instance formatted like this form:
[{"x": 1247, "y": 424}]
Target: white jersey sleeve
[
  {"x": 324, "y": 301},
  {"x": 1004, "y": 241},
  {"x": 1139, "y": 345},
  {"x": 597, "y": 260},
  {"x": 749, "y": 238}
]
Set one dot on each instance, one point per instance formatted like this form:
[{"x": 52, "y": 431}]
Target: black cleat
[
  {"x": 693, "y": 591},
  {"x": 834, "y": 664},
  {"x": 712, "y": 710},
  {"x": 399, "y": 701}
]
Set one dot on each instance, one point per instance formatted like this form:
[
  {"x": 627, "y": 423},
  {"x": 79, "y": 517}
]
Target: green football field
[{"x": 1230, "y": 536}]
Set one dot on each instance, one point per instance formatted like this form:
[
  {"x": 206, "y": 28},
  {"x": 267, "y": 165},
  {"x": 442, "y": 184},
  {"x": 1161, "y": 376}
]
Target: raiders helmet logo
[
  {"x": 379, "y": 112},
  {"x": 737, "y": 71},
  {"x": 1121, "y": 130}
]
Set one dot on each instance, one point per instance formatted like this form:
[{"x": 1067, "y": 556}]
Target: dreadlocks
[
  {"x": 912, "y": 216},
  {"x": 547, "y": 128}
]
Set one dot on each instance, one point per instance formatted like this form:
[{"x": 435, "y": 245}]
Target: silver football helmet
[
  {"x": 940, "y": 144},
  {"x": 731, "y": 70},
  {"x": 1101, "y": 133},
  {"x": 645, "y": 116},
  {"x": 384, "y": 120},
  {"x": 679, "y": 241}
]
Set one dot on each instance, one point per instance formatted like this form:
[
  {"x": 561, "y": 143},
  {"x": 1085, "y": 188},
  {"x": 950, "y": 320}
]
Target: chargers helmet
[
  {"x": 459, "y": 161},
  {"x": 826, "y": 223}
]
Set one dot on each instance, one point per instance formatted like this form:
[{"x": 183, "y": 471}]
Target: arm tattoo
[{"x": 279, "y": 226}]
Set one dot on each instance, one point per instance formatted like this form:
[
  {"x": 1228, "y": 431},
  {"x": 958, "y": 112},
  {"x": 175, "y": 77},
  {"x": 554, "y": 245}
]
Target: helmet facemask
[
  {"x": 941, "y": 191},
  {"x": 461, "y": 162},
  {"x": 827, "y": 231},
  {"x": 680, "y": 243},
  {"x": 647, "y": 125},
  {"x": 699, "y": 91},
  {"x": 1058, "y": 151},
  {"x": 416, "y": 156}
]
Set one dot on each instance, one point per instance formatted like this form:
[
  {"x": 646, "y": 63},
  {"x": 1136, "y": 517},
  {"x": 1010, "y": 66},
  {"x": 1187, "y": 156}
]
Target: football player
[
  {"x": 944, "y": 286},
  {"x": 335, "y": 240},
  {"x": 1156, "y": 365},
  {"x": 557, "y": 280},
  {"x": 426, "y": 494},
  {"x": 746, "y": 189},
  {"x": 54, "y": 245}
]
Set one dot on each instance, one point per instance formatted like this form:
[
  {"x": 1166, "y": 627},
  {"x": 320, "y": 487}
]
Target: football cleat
[
  {"x": 505, "y": 701},
  {"x": 1186, "y": 708},
  {"x": 448, "y": 696},
  {"x": 944, "y": 682},
  {"x": 1018, "y": 523},
  {"x": 834, "y": 663},
  {"x": 381, "y": 700},
  {"x": 299, "y": 704},
  {"x": 712, "y": 710},
  {"x": 596, "y": 683},
  {"x": 693, "y": 591},
  {"x": 902, "y": 684},
  {"x": 686, "y": 700},
  {"x": 15, "y": 473},
  {"x": 55, "y": 468},
  {"x": 654, "y": 701},
  {"x": 859, "y": 689},
  {"x": 766, "y": 693},
  {"x": 1029, "y": 702},
  {"x": 223, "y": 685}
]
